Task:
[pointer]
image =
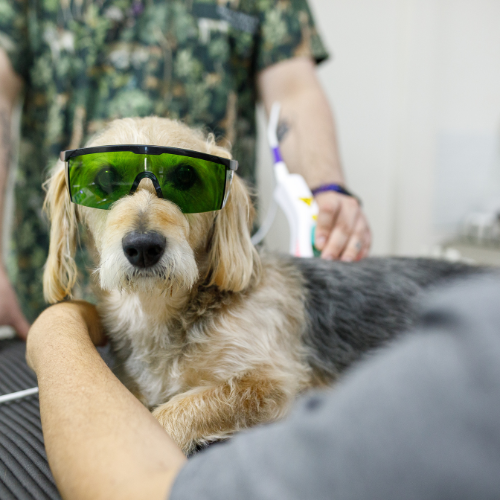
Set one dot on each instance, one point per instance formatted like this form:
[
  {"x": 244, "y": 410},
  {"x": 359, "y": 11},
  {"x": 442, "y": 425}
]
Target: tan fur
[
  {"x": 60, "y": 269},
  {"x": 211, "y": 342}
]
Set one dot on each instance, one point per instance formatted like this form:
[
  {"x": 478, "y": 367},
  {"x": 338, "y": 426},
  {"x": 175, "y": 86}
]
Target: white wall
[
  {"x": 415, "y": 88},
  {"x": 467, "y": 166}
]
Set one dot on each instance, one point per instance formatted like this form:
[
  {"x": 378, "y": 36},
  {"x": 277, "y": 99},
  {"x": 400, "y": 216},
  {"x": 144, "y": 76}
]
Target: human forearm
[
  {"x": 5, "y": 157},
  {"x": 307, "y": 128},
  {"x": 10, "y": 85},
  {"x": 101, "y": 442},
  {"x": 308, "y": 142}
]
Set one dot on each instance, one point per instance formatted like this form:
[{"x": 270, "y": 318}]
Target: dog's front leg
[{"x": 211, "y": 413}]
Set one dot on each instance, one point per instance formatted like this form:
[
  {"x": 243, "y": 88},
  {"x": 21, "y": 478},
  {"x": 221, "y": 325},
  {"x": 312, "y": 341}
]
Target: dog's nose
[{"x": 144, "y": 249}]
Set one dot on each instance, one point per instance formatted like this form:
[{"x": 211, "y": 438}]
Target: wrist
[
  {"x": 334, "y": 187},
  {"x": 320, "y": 177}
]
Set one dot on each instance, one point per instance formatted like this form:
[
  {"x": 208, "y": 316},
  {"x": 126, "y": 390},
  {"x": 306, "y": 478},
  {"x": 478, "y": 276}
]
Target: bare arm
[
  {"x": 101, "y": 442},
  {"x": 10, "y": 85},
  {"x": 309, "y": 146}
]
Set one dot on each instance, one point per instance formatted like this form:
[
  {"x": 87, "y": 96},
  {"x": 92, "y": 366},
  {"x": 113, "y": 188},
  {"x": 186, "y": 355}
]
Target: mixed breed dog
[{"x": 207, "y": 332}]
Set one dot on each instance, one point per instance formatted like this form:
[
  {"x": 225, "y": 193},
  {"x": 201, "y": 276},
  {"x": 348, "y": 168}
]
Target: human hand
[
  {"x": 10, "y": 312},
  {"x": 342, "y": 231},
  {"x": 76, "y": 320}
]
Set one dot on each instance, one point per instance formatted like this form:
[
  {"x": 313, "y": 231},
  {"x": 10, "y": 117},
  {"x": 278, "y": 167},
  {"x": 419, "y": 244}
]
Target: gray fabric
[{"x": 419, "y": 420}]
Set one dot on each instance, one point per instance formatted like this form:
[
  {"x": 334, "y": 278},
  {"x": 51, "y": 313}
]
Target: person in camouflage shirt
[{"x": 84, "y": 63}]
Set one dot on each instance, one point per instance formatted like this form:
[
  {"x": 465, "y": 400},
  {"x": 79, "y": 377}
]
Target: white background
[{"x": 415, "y": 87}]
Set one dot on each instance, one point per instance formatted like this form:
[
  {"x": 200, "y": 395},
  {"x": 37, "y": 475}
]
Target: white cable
[
  {"x": 272, "y": 127},
  {"x": 272, "y": 137},
  {"x": 18, "y": 395},
  {"x": 266, "y": 223}
]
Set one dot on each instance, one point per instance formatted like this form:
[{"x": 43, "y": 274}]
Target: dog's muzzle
[{"x": 144, "y": 249}]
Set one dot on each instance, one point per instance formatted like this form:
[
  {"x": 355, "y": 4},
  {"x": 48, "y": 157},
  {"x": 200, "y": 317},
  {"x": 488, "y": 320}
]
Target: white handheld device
[{"x": 293, "y": 196}]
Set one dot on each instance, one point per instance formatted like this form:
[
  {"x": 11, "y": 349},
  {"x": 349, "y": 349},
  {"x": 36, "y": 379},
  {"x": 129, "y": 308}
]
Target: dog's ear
[
  {"x": 233, "y": 260},
  {"x": 60, "y": 272}
]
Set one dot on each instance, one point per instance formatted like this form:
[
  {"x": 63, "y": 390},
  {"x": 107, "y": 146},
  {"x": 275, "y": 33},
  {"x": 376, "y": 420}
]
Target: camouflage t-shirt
[{"x": 86, "y": 62}]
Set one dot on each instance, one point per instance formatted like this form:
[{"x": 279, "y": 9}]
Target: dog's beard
[{"x": 176, "y": 270}]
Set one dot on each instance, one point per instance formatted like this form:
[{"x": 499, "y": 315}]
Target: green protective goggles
[{"x": 195, "y": 182}]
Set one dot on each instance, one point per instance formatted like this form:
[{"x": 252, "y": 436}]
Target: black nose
[{"x": 144, "y": 249}]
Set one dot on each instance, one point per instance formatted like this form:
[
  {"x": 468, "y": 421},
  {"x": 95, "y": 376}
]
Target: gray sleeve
[{"x": 418, "y": 420}]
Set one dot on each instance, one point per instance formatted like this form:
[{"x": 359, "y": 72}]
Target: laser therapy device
[{"x": 293, "y": 196}]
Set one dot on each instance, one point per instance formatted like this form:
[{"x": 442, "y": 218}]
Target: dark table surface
[{"x": 24, "y": 471}]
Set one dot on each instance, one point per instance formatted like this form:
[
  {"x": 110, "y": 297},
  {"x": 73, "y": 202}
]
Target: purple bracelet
[{"x": 334, "y": 187}]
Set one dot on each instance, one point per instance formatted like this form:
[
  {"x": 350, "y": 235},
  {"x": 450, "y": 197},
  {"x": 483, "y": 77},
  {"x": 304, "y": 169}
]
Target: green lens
[
  {"x": 97, "y": 180},
  {"x": 194, "y": 185}
]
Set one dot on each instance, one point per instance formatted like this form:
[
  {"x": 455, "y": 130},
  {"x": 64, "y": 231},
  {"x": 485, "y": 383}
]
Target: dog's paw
[{"x": 176, "y": 426}]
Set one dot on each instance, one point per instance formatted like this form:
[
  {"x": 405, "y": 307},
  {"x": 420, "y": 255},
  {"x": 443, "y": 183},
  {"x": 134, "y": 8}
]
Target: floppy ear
[
  {"x": 233, "y": 260},
  {"x": 60, "y": 272}
]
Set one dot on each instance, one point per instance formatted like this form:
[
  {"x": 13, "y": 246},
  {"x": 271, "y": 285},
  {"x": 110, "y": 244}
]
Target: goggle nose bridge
[{"x": 146, "y": 175}]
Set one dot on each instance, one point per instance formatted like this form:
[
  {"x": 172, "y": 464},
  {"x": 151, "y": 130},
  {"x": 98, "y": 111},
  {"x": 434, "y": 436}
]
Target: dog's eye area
[
  {"x": 183, "y": 177},
  {"x": 106, "y": 179}
]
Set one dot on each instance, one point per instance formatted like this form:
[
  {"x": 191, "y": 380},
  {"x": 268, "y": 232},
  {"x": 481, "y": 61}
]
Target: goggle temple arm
[
  {"x": 227, "y": 189},
  {"x": 66, "y": 171}
]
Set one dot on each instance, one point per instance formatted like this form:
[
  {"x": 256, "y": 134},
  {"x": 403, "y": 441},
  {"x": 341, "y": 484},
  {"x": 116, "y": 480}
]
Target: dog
[{"x": 215, "y": 337}]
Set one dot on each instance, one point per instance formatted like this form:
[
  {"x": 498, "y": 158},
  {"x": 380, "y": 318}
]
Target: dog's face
[{"x": 145, "y": 244}]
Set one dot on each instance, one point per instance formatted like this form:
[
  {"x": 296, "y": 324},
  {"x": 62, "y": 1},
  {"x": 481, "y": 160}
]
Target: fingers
[
  {"x": 342, "y": 231},
  {"x": 359, "y": 242},
  {"x": 329, "y": 208},
  {"x": 366, "y": 250}
]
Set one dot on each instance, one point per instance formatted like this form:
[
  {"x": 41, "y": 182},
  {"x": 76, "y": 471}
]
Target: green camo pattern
[{"x": 86, "y": 62}]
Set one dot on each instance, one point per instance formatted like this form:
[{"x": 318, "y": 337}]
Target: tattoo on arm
[{"x": 283, "y": 129}]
